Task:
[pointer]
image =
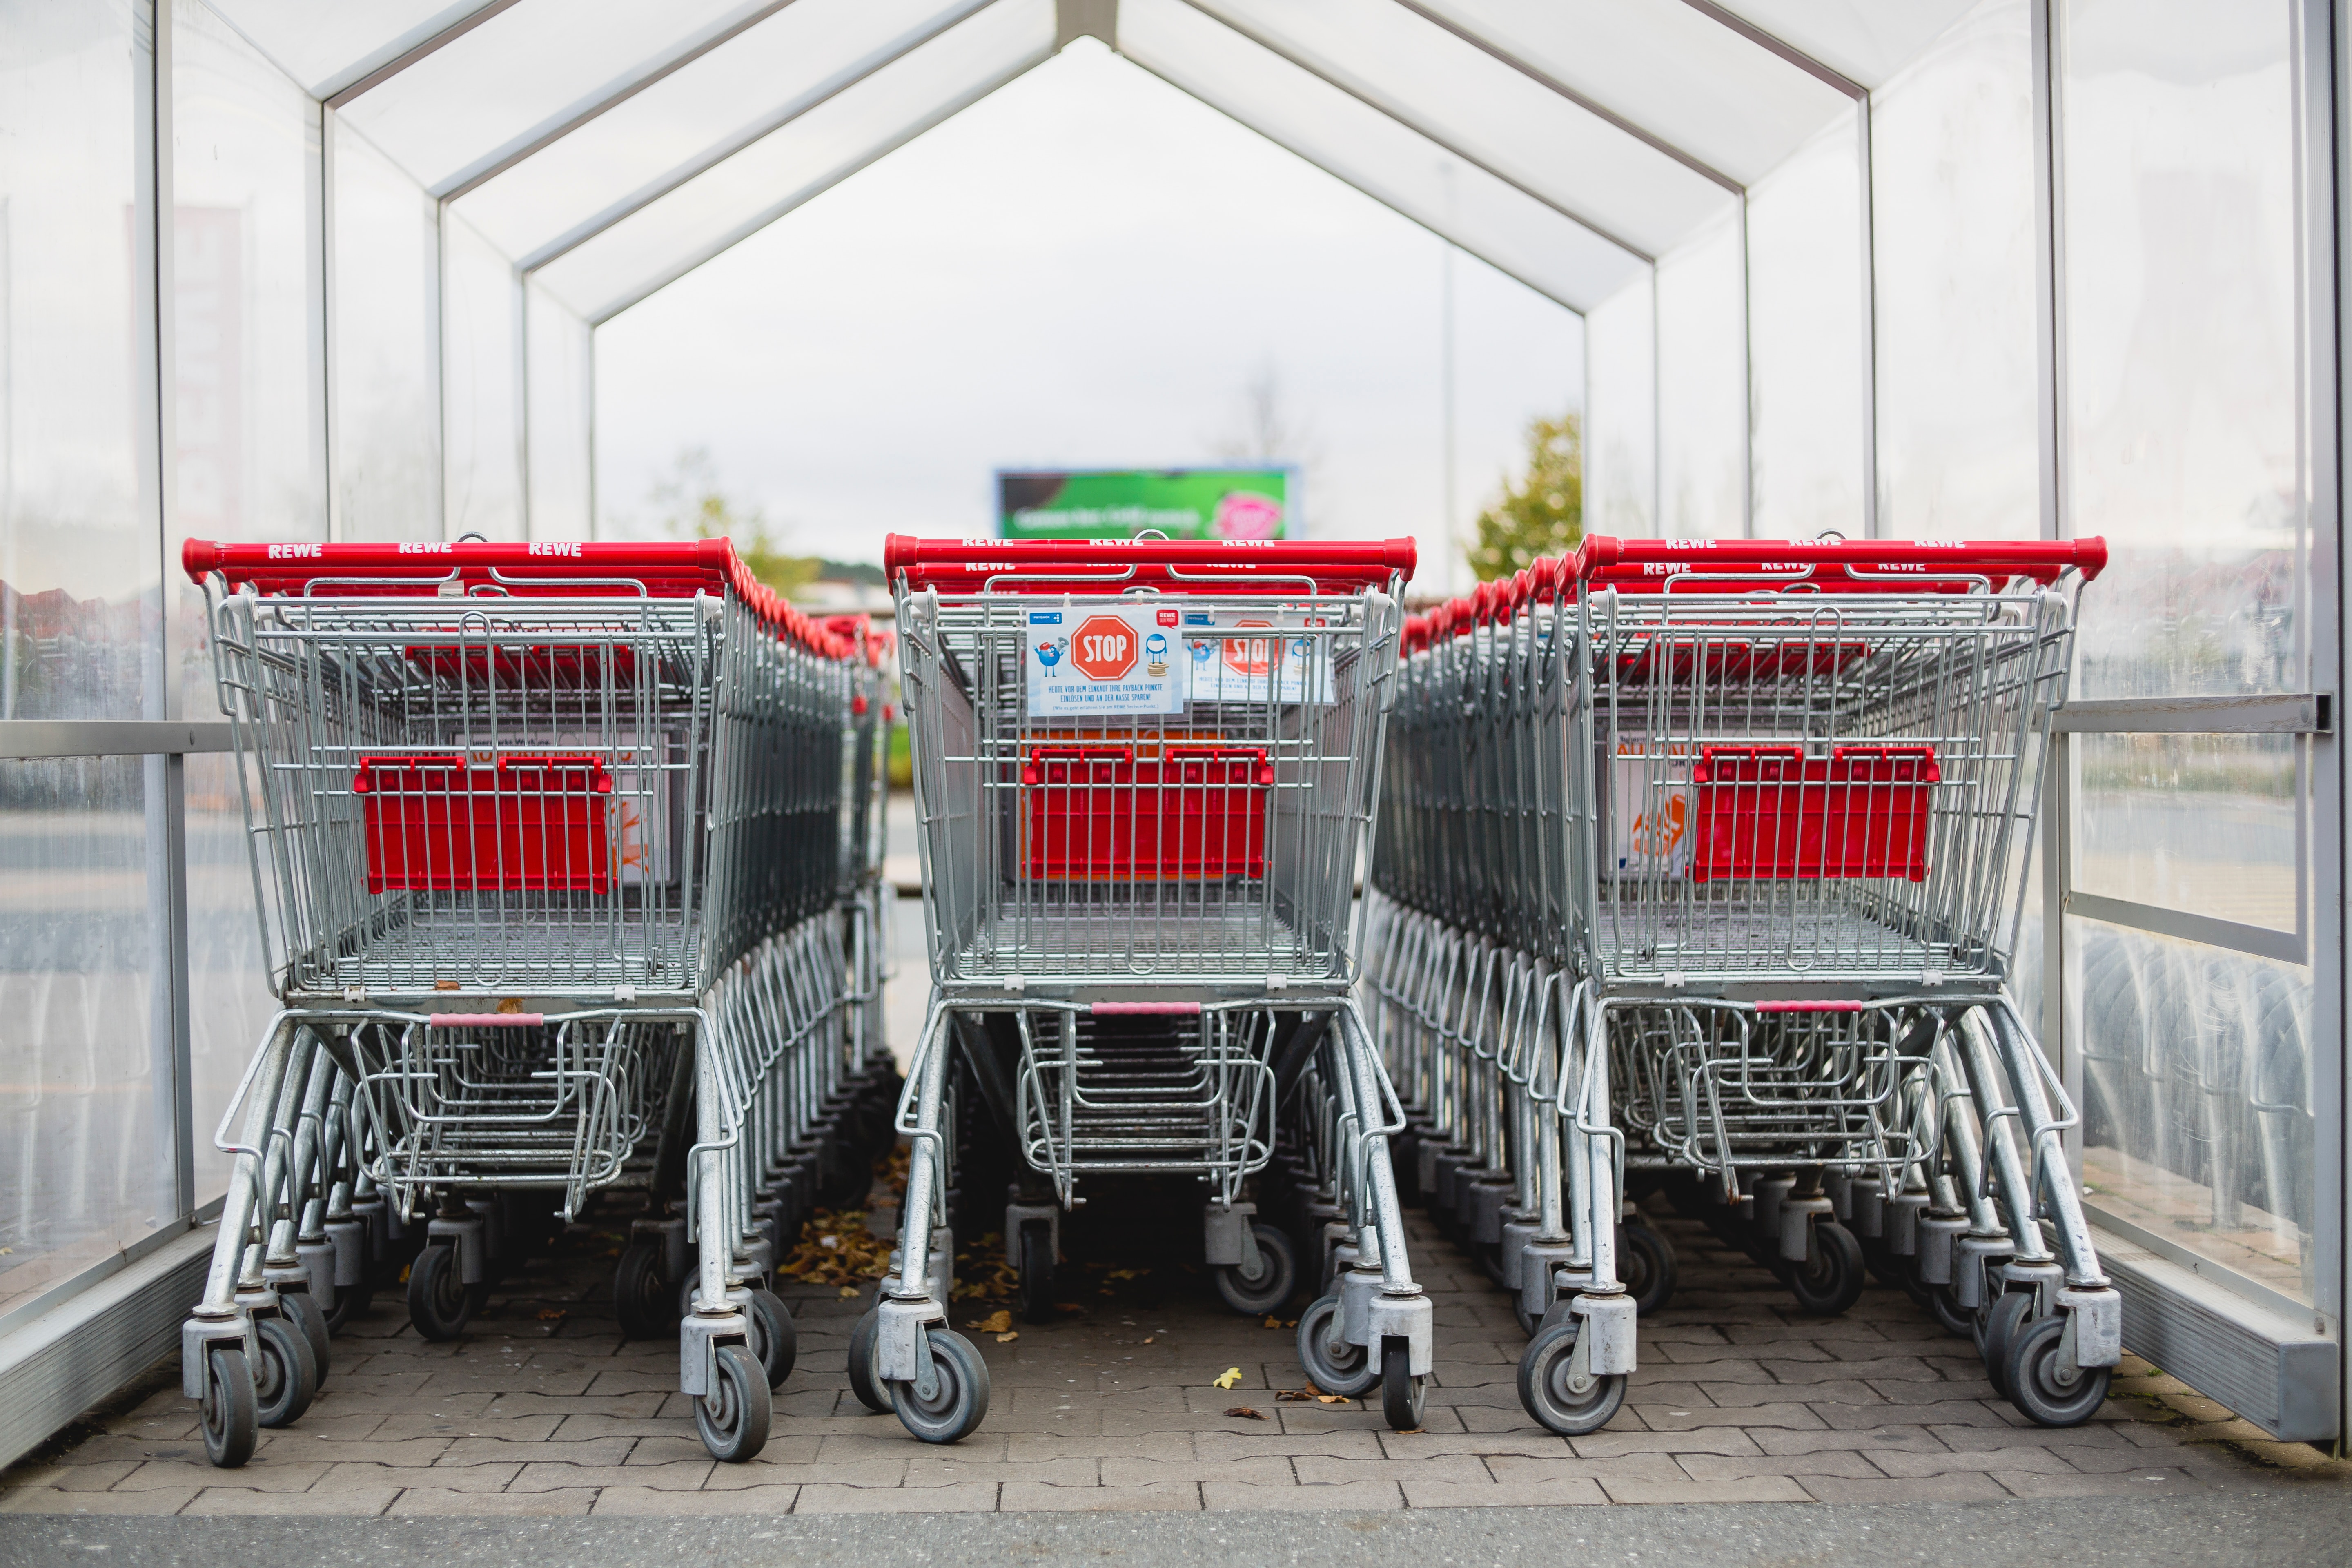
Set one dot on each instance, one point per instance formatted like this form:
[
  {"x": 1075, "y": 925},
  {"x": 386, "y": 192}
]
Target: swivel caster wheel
[
  {"x": 732, "y": 1419},
  {"x": 1402, "y": 1394},
  {"x": 1036, "y": 1261},
  {"x": 642, "y": 1299},
  {"x": 1552, "y": 1391},
  {"x": 1829, "y": 1279},
  {"x": 1646, "y": 1265},
  {"x": 864, "y": 1380},
  {"x": 957, "y": 1402},
  {"x": 1997, "y": 1326},
  {"x": 1348, "y": 1370},
  {"x": 302, "y": 1310},
  {"x": 232, "y": 1409},
  {"x": 775, "y": 1343},
  {"x": 439, "y": 1303},
  {"x": 2047, "y": 1393},
  {"x": 1270, "y": 1285},
  {"x": 286, "y": 1379}
]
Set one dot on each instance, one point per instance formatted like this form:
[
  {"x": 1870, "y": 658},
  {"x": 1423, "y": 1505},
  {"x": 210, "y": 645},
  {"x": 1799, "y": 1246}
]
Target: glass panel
[
  {"x": 1510, "y": 231},
  {"x": 788, "y": 166},
  {"x": 79, "y": 553},
  {"x": 249, "y": 416},
  {"x": 520, "y": 75},
  {"x": 1664, "y": 66},
  {"x": 563, "y": 402},
  {"x": 481, "y": 388},
  {"x": 2198, "y": 1097},
  {"x": 1807, "y": 299},
  {"x": 2200, "y": 823},
  {"x": 229, "y": 999},
  {"x": 386, "y": 357},
  {"x": 1536, "y": 138},
  {"x": 1952, "y": 194},
  {"x": 1864, "y": 40},
  {"x": 1703, "y": 388},
  {"x": 2181, "y": 347},
  {"x": 727, "y": 100},
  {"x": 327, "y": 47},
  {"x": 1621, "y": 442},
  {"x": 86, "y": 1120}
]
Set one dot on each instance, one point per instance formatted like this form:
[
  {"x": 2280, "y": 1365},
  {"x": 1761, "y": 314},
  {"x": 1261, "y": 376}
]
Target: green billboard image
[{"x": 1121, "y": 503}]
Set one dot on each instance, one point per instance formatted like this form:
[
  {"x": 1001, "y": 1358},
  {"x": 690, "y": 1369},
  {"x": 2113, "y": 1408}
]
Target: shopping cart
[
  {"x": 1144, "y": 770},
  {"x": 549, "y": 848},
  {"x": 1779, "y": 876}
]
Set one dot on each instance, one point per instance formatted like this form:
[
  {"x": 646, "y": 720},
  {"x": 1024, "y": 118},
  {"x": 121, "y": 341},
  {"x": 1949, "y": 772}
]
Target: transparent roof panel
[
  {"x": 1387, "y": 160},
  {"x": 1866, "y": 40},
  {"x": 1663, "y": 65},
  {"x": 687, "y": 226},
  {"x": 696, "y": 116},
  {"x": 524, "y": 73},
  {"x": 326, "y": 47},
  {"x": 1500, "y": 119}
]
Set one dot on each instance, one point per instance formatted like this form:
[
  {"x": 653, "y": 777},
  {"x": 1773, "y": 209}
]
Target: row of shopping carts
[
  {"x": 1700, "y": 868},
  {"x": 1146, "y": 772},
  {"x": 567, "y": 860}
]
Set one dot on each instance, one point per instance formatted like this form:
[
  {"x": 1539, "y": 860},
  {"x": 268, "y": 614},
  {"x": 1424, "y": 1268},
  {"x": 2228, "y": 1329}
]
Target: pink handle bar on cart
[
  {"x": 485, "y": 1020},
  {"x": 1808, "y": 1006},
  {"x": 1144, "y": 1009},
  {"x": 665, "y": 568},
  {"x": 1181, "y": 565}
]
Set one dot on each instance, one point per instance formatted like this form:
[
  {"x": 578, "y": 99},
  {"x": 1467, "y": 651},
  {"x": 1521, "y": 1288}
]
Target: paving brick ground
[{"x": 544, "y": 1409}]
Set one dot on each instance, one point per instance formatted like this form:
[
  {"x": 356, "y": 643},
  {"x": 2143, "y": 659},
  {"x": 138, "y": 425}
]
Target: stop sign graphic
[
  {"x": 1103, "y": 647},
  {"x": 1249, "y": 656}
]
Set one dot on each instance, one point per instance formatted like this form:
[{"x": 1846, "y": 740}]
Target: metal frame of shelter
[{"x": 526, "y": 170}]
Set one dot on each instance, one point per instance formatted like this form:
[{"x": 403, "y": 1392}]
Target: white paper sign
[
  {"x": 1118, "y": 660},
  {"x": 1245, "y": 655}
]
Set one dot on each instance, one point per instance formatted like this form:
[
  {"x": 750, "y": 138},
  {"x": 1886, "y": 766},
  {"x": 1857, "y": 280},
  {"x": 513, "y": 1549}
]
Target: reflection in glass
[
  {"x": 86, "y": 1126},
  {"x": 384, "y": 296},
  {"x": 2204, "y": 824},
  {"x": 229, "y": 1002},
  {"x": 2181, "y": 370},
  {"x": 79, "y": 557},
  {"x": 2197, "y": 1098},
  {"x": 1951, "y": 165},
  {"x": 1703, "y": 387}
]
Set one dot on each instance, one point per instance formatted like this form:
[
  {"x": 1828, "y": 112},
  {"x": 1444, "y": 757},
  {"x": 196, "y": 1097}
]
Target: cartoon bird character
[{"x": 1049, "y": 652}]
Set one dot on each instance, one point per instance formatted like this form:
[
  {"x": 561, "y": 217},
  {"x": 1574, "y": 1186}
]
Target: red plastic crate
[
  {"x": 564, "y": 667},
  {"x": 1773, "y": 812},
  {"x": 1097, "y": 814},
  {"x": 524, "y": 824}
]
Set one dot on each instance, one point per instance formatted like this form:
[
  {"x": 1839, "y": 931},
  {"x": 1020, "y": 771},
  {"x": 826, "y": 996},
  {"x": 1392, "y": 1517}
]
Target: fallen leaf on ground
[
  {"x": 848, "y": 1291},
  {"x": 1230, "y": 1376},
  {"x": 550, "y": 1314},
  {"x": 1245, "y": 1410},
  {"x": 994, "y": 1323},
  {"x": 1008, "y": 1336},
  {"x": 1147, "y": 1339}
]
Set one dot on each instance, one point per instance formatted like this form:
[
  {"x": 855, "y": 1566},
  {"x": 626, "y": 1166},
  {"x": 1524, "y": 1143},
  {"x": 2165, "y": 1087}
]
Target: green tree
[
  {"x": 693, "y": 506},
  {"x": 1543, "y": 512}
]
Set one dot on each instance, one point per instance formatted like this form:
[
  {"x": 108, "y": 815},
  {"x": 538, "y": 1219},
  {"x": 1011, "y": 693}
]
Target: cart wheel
[
  {"x": 1037, "y": 1263},
  {"x": 1998, "y": 1327},
  {"x": 1949, "y": 1315},
  {"x": 232, "y": 1411},
  {"x": 1402, "y": 1394},
  {"x": 308, "y": 1316},
  {"x": 439, "y": 1303},
  {"x": 2035, "y": 1384},
  {"x": 1548, "y": 1391},
  {"x": 1529, "y": 1321},
  {"x": 1276, "y": 1277},
  {"x": 959, "y": 1400},
  {"x": 642, "y": 1299},
  {"x": 1349, "y": 1371},
  {"x": 863, "y": 1380},
  {"x": 1830, "y": 1279},
  {"x": 732, "y": 1418},
  {"x": 352, "y": 1301},
  {"x": 288, "y": 1379},
  {"x": 1645, "y": 1265},
  {"x": 774, "y": 1342},
  {"x": 1887, "y": 1265}
]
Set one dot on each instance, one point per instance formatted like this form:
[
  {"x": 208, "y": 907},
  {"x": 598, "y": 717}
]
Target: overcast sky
[{"x": 1087, "y": 269}]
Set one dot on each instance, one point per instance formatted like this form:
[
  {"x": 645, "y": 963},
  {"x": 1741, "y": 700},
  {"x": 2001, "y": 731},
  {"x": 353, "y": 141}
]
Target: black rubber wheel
[
  {"x": 1348, "y": 1371},
  {"x": 775, "y": 1342},
  {"x": 1887, "y": 1265},
  {"x": 862, "y": 1380},
  {"x": 1830, "y": 1279},
  {"x": 303, "y": 1310},
  {"x": 1954, "y": 1319},
  {"x": 232, "y": 1411},
  {"x": 1036, "y": 1264},
  {"x": 288, "y": 1379},
  {"x": 1529, "y": 1321},
  {"x": 957, "y": 1402},
  {"x": 642, "y": 1299},
  {"x": 2033, "y": 1379},
  {"x": 1998, "y": 1327},
  {"x": 1548, "y": 1394},
  {"x": 1645, "y": 1265},
  {"x": 1402, "y": 1394},
  {"x": 732, "y": 1419},
  {"x": 1270, "y": 1285},
  {"x": 351, "y": 1302},
  {"x": 439, "y": 1303}
]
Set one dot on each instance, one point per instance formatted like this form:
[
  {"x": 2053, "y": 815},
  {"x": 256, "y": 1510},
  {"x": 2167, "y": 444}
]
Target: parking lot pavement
[{"x": 542, "y": 1410}]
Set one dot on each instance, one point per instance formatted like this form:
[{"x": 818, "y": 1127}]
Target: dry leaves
[
  {"x": 1230, "y": 1376},
  {"x": 1245, "y": 1410},
  {"x": 994, "y": 1323},
  {"x": 1302, "y": 1396},
  {"x": 1008, "y": 1337},
  {"x": 552, "y": 1314}
]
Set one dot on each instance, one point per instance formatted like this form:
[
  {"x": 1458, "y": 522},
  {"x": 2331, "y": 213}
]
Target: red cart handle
[
  {"x": 1172, "y": 566},
  {"x": 1880, "y": 565},
  {"x": 665, "y": 569}
]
